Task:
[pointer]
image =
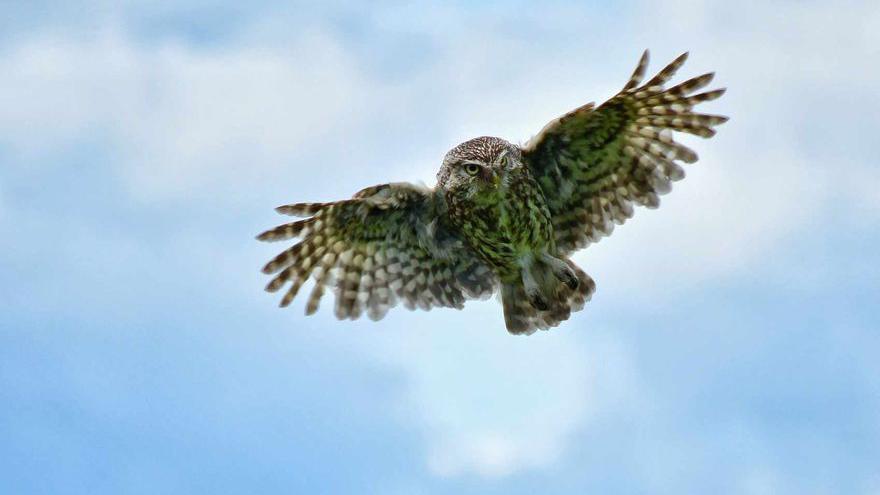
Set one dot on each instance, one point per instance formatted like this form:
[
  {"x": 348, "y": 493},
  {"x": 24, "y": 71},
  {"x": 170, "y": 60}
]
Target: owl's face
[{"x": 479, "y": 167}]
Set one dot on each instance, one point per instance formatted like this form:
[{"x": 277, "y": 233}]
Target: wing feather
[
  {"x": 389, "y": 242},
  {"x": 595, "y": 163}
]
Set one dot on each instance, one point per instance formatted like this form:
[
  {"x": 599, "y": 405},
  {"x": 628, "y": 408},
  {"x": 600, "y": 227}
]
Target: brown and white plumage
[
  {"x": 502, "y": 216},
  {"x": 385, "y": 244},
  {"x": 595, "y": 164}
]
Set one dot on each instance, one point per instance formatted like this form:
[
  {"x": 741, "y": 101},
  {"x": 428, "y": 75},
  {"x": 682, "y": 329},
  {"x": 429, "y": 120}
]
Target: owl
[{"x": 502, "y": 218}]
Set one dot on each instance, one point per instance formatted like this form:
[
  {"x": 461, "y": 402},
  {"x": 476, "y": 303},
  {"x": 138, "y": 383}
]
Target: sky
[{"x": 732, "y": 346}]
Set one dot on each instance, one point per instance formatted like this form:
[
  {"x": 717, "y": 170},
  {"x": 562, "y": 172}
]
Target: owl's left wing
[
  {"x": 388, "y": 242},
  {"x": 594, "y": 164}
]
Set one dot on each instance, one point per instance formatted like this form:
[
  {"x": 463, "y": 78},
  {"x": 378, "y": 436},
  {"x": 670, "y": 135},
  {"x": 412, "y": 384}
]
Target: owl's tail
[{"x": 549, "y": 290}]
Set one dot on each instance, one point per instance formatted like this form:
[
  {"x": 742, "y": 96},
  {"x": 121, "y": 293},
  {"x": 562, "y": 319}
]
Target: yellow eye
[{"x": 472, "y": 168}]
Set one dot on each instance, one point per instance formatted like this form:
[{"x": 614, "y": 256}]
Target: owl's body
[
  {"x": 503, "y": 217},
  {"x": 506, "y": 219}
]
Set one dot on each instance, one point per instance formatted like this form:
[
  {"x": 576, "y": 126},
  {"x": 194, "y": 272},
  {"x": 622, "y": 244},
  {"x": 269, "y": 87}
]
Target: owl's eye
[{"x": 472, "y": 168}]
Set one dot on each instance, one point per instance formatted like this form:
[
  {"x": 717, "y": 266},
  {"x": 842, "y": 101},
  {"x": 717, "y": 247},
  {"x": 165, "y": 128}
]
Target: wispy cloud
[{"x": 496, "y": 405}]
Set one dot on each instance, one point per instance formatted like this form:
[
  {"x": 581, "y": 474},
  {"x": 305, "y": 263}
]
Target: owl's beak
[
  {"x": 496, "y": 179},
  {"x": 489, "y": 176}
]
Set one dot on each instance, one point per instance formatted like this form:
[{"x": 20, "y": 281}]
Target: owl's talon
[
  {"x": 570, "y": 279},
  {"x": 538, "y": 302},
  {"x": 562, "y": 271}
]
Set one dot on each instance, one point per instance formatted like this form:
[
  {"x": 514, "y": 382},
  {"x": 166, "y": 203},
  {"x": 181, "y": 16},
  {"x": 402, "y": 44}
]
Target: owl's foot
[
  {"x": 537, "y": 300},
  {"x": 569, "y": 278},
  {"x": 562, "y": 271},
  {"x": 532, "y": 286}
]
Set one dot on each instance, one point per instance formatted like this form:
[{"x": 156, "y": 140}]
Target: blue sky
[{"x": 732, "y": 345}]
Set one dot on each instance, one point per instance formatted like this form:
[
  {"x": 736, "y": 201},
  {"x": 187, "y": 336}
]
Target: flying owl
[{"x": 502, "y": 217}]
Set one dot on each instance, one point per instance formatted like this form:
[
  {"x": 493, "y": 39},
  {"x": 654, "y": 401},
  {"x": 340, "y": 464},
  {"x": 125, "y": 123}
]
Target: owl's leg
[
  {"x": 561, "y": 271},
  {"x": 532, "y": 286}
]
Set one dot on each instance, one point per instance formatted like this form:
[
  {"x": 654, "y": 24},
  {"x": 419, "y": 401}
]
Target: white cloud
[
  {"x": 493, "y": 405},
  {"x": 729, "y": 214},
  {"x": 182, "y": 119}
]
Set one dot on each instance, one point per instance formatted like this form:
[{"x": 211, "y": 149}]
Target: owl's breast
[{"x": 504, "y": 224}]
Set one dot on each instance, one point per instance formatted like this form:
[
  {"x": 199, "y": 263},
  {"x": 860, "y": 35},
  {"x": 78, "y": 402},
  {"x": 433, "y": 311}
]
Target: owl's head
[{"x": 480, "y": 165}]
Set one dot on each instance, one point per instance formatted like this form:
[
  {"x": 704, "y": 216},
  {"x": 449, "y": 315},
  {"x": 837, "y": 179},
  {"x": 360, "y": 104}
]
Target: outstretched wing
[
  {"x": 388, "y": 242},
  {"x": 594, "y": 164}
]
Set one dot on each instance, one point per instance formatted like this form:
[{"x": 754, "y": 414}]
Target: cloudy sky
[{"x": 733, "y": 345}]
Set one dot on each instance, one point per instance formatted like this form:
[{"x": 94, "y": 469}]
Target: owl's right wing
[
  {"x": 388, "y": 242},
  {"x": 594, "y": 164}
]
